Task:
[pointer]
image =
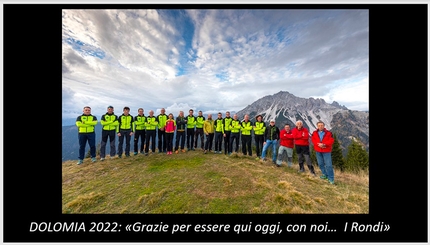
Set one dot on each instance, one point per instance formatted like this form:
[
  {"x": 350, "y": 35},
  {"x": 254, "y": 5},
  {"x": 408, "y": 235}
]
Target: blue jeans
[
  {"x": 325, "y": 164},
  {"x": 283, "y": 150},
  {"x": 274, "y": 144},
  {"x": 83, "y": 138}
]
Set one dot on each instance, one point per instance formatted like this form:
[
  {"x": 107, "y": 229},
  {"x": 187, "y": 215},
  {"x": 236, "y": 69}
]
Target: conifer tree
[
  {"x": 337, "y": 156},
  {"x": 356, "y": 158}
]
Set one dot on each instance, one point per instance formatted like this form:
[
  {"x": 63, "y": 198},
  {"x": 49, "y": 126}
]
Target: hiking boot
[
  {"x": 80, "y": 162},
  {"x": 93, "y": 159}
]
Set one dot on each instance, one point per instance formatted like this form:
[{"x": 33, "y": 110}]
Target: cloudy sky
[{"x": 211, "y": 60}]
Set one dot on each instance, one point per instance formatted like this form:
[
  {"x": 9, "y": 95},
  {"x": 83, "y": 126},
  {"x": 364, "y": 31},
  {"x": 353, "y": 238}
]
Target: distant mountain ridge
[{"x": 284, "y": 107}]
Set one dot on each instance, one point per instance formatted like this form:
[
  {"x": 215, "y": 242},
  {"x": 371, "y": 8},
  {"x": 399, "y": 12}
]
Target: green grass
[{"x": 194, "y": 182}]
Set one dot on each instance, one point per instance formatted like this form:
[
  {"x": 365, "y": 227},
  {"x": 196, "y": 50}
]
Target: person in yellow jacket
[
  {"x": 191, "y": 124},
  {"x": 209, "y": 129},
  {"x": 246, "y": 135},
  {"x": 227, "y": 132},
  {"x": 161, "y": 119},
  {"x": 125, "y": 130},
  {"x": 219, "y": 132},
  {"x": 200, "y": 120},
  {"x": 109, "y": 122},
  {"x": 86, "y": 133},
  {"x": 139, "y": 131},
  {"x": 235, "y": 135},
  {"x": 151, "y": 127},
  {"x": 259, "y": 130}
]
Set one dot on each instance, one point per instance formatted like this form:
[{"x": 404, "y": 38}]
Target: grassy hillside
[{"x": 194, "y": 182}]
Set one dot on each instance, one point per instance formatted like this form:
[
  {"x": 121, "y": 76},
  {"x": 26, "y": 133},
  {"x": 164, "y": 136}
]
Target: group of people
[{"x": 228, "y": 130}]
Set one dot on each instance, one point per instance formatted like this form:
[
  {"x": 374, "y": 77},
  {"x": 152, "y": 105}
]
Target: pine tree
[
  {"x": 356, "y": 158},
  {"x": 337, "y": 156}
]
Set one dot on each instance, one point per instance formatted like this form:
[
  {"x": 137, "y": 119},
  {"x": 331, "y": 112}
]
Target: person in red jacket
[
  {"x": 323, "y": 141},
  {"x": 169, "y": 128},
  {"x": 286, "y": 144},
  {"x": 301, "y": 141}
]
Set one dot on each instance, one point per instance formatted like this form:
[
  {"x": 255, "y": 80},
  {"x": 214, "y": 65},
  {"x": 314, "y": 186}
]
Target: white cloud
[{"x": 213, "y": 60}]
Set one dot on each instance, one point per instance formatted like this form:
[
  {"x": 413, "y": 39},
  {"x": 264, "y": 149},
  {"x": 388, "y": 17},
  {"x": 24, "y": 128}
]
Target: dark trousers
[
  {"x": 218, "y": 141},
  {"x": 139, "y": 134},
  {"x": 227, "y": 142},
  {"x": 105, "y": 135},
  {"x": 246, "y": 144},
  {"x": 162, "y": 141},
  {"x": 169, "y": 141},
  {"x": 234, "y": 137},
  {"x": 259, "y": 140},
  {"x": 199, "y": 132},
  {"x": 124, "y": 134},
  {"x": 150, "y": 137},
  {"x": 209, "y": 140},
  {"x": 180, "y": 135},
  {"x": 83, "y": 139},
  {"x": 190, "y": 138},
  {"x": 303, "y": 154}
]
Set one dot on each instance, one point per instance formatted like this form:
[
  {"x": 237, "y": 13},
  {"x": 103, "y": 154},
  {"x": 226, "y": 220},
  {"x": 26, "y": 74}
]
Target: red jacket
[
  {"x": 328, "y": 140},
  {"x": 286, "y": 138},
  {"x": 301, "y": 137},
  {"x": 170, "y": 126}
]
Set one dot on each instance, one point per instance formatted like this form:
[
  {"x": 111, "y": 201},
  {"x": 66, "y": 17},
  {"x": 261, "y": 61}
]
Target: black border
[{"x": 32, "y": 142}]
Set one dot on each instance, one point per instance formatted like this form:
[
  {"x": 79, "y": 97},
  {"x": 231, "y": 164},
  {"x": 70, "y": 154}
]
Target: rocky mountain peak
[{"x": 285, "y": 107}]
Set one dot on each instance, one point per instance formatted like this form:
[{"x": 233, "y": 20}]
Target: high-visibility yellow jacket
[
  {"x": 86, "y": 123},
  {"x": 246, "y": 128},
  {"x": 109, "y": 122}
]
